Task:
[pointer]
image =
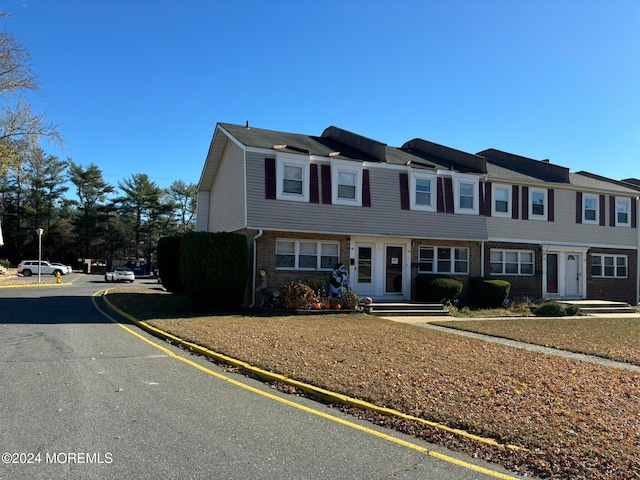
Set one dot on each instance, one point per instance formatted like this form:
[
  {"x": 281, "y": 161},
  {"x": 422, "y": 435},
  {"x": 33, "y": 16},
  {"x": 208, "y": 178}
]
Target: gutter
[{"x": 255, "y": 266}]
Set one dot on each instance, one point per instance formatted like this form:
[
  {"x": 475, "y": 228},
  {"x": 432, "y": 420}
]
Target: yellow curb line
[
  {"x": 316, "y": 391},
  {"x": 37, "y": 285}
]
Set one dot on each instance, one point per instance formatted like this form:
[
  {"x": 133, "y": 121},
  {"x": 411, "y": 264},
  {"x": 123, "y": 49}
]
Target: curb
[
  {"x": 323, "y": 394},
  {"x": 28, "y": 285}
]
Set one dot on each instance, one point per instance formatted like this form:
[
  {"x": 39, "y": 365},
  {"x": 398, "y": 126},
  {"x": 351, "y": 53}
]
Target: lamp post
[{"x": 39, "y": 232}]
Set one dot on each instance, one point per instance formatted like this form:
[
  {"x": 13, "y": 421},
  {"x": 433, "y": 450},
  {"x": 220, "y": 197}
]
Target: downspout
[
  {"x": 255, "y": 266},
  {"x": 482, "y": 259}
]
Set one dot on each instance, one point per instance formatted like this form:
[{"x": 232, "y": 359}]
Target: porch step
[
  {"x": 405, "y": 309},
  {"x": 600, "y": 307}
]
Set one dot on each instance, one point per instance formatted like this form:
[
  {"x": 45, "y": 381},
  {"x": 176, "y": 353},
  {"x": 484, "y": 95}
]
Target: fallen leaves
[{"x": 577, "y": 419}]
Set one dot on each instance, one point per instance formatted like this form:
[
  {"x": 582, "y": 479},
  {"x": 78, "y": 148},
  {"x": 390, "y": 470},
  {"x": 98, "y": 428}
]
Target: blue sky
[{"x": 137, "y": 86}]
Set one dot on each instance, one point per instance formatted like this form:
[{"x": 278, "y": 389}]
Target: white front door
[
  {"x": 380, "y": 267},
  {"x": 572, "y": 275},
  {"x": 364, "y": 269}
]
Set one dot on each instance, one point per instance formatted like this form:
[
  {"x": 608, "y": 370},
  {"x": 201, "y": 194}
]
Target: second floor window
[
  {"x": 466, "y": 194},
  {"x": 292, "y": 178},
  {"x": 501, "y": 201},
  {"x": 623, "y": 207},
  {"x": 538, "y": 204},
  {"x": 423, "y": 191},
  {"x": 346, "y": 183},
  {"x": 590, "y": 211}
]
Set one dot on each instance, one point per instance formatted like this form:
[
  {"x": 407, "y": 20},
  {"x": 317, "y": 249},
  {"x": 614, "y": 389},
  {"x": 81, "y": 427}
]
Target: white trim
[
  {"x": 350, "y": 167},
  {"x": 596, "y": 199},
  {"x": 545, "y": 193},
  {"x": 628, "y": 202},
  {"x": 561, "y": 244},
  {"x": 461, "y": 178},
  {"x": 509, "y": 189},
  {"x": 284, "y": 160},
  {"x": 433, "y": 191}
]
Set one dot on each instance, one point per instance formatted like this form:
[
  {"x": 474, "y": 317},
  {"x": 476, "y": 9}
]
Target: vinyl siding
[
  {"x": 563, "y": 229},
  {"x": 384, "y": 217},
  {"x": 227, "y": 197}
]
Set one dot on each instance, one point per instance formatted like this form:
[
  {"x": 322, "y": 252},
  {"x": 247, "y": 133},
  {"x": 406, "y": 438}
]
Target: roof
[{"x": 343, "y": 144}]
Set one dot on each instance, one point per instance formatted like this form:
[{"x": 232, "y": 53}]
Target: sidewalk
[{"x": 427, "y": 322}]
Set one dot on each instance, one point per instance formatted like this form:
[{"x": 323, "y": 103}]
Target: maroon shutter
[
  {"x": 603, "y": 208},
  {"x": 314, "y": 194},
  {"x": 515, "y": 197},
  {"x": 325, "y": 170},
  {"x": 440, "y": 194},
  {"x": 366, "y": 189},
  {"x": 525, "y": 203},
  {"x": 448, "y": 195},
  {"x": 578, "y": 207},
  {"x": 634, "y": 212},
  {"x": 612, "y": 211},
  {"x": 481, "y": 204},
  {"x": 487, "y": 199},
  {"x": 404, "y": 191},
  {"x": 552, "y": 207},
  {"x": 270, "y": 178}
]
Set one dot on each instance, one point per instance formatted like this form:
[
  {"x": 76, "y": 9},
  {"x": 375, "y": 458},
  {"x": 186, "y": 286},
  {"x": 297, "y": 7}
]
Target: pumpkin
[
  {"x": 338, "y": 307},
  {"x": 318, "y": 306}
]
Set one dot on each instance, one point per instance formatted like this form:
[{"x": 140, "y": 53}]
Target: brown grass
[
  {"x": 614, "y": 338},
  {"x": 579, "y": 420}
]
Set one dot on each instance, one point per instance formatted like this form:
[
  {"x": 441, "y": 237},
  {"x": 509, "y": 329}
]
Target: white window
[
  {"x": 613, "y": 266},
  {"x": 346, "y": 183},
  {"x": 292, "y": 177},
  {"x": 453, "y": 260},
  {"x": 538, "y": 203},
  {"x": 466, "y": 189},
  {"x": 423, "y": 191},
  {"x": 511, "y": 262},
  {"x": 501, "y": 201},
  {"x": 306, "y": 254},
  {"x": 623, "y": 212},
  {"x": 590, "y": 210}
]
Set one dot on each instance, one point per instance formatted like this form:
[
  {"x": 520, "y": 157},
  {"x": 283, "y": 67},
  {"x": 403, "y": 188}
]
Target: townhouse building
[{"x": 306, "y": 203}]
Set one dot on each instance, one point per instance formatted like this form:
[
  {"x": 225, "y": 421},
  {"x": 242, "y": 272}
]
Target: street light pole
[{"x": 39, "y": 232}]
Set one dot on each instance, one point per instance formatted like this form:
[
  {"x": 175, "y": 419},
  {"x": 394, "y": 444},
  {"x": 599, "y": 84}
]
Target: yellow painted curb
[
  {"x": 27, "y": 285},
  {"x": 321, "y": 393}
]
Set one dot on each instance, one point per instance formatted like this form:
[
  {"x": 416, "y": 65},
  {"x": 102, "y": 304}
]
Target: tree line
[{"x": 81, "y": 215}]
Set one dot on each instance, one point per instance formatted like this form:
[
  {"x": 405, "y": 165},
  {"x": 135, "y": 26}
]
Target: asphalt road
[{"x": 86, "y": 397}]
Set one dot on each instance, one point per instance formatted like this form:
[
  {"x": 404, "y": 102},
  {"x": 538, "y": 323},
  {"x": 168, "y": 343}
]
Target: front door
[
  {"x": 552, "y": 273},
  {"x": 393, "y": 269},
  {"x": 363, "y": 272},
  {"x": 572, "y": 277}
]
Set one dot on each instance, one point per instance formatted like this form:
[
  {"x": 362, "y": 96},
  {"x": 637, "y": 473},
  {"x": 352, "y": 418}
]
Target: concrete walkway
[{"x": 427, "y": 322}]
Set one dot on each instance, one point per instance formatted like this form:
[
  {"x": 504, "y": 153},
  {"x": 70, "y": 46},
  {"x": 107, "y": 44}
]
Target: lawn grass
[
  {"x": 613, "y": 338},
  {"x": 577, "y": 419}
]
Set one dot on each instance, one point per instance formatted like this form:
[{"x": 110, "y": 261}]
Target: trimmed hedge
[
  {"x": 169, "y": 264},
  {"x": 487, "y": 293},
  {"x": 437, "y": 288},
  {"x": 214, "y": 269}
]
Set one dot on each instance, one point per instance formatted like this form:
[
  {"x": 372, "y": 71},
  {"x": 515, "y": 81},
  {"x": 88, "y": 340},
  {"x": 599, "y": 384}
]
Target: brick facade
[
  {"x": 614, "y": 289},
  {"x": 529, "y": 286}
]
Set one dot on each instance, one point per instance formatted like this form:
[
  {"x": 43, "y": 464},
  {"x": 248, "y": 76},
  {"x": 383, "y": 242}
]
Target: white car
[
  {"x": 30, "y": 267},
  {"x": 64, "y": 268},
  {"x": 119, "y": 274}
]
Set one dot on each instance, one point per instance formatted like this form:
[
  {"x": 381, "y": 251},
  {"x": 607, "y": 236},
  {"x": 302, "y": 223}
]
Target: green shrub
[
  {"x": 572, "y": 310},
  {"x": 297, "y": 296},
  {"x": 317, "y": 283},
  {"x": 437, "y": 288},
  {"x": 214, "y": 269},
  {"x": 550, "y": 309},
  {"x": 487, "y": 293},
  {"x": 169, "y": 263},
  {"x": 5, "y": 263}
]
